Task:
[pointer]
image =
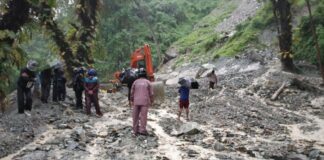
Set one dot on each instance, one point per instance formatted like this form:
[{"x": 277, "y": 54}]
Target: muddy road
[{"x": 237, "y": 120}]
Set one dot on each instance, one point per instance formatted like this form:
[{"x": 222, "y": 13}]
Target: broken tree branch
[{"x": 276, "y": 94}]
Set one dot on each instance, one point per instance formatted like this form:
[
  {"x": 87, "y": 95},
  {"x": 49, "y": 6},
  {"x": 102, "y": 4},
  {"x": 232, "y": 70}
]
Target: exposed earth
[
  {"x": 237, "y": 120},
  {"x": 240, "y": 119}
]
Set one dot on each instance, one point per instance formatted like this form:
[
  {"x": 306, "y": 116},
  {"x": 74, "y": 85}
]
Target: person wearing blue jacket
[
  {"x": 184, "y": 100},
  {"x": 91, "y": 86}
]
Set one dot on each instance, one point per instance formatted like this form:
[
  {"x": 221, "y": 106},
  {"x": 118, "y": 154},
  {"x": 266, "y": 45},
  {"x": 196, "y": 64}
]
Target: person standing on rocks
[
  {"x": 59, "y": 89},
  {"x": 25, "y": 82},
  {"x": 91, "y": 86},
  {"x": 78, "y": 86},
  {"x": 45, "y": 79},
  {"x": 212, "y": 79},
  {"x": 128, "y": 76},
  {"x": 184, "y": 99},
  {"x": 141, "y": 98}
]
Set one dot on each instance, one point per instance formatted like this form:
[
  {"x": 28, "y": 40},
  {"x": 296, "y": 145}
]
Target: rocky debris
[
  {"x": 317, "y": 103},
  {"x": 237, "y": 119},
  {"x": 314, "y": 154},
  {"x": 246, "y": 9},
  {"x": 190, "y": 128},
  {"x": 218, "y": 146},
  {"x": 37, "y": 155},
  {"x": 295, "y": 156},
  {"x": 192, "y": 153}
]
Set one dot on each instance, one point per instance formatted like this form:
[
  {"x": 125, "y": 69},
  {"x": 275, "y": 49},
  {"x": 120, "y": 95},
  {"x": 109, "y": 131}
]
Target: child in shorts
[{"x": 184, "y": 100}]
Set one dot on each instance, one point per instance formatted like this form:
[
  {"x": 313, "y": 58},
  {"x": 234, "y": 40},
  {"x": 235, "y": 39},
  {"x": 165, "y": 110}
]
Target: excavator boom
[{"x": 140, "y": 55}]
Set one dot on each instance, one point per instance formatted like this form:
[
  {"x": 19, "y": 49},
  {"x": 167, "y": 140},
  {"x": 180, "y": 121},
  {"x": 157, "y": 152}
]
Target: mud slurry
[{"x": 237, "y": 120}]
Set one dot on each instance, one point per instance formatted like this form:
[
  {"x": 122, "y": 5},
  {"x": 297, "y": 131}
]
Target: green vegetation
[
  {"x": 126, "y": 26},
  {"x": 304, "y": 45},
  {"x": 122, "y": 26},
  {"x": 203, "y": 39}
]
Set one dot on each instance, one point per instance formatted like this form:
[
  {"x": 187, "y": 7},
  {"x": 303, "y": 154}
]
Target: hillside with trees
[{"x": 267, "y": 102}]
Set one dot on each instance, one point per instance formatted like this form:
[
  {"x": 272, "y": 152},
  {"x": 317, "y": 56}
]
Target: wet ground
[{"x": 237, "y": 120}]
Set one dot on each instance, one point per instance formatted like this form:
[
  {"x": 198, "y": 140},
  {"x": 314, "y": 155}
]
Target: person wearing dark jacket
[
  {"x": 78, "y": 87},
  {"x": 25, "y": 82},
  {"x": 45, "y": 78},
  {"x": 59, "y": 89},
  {"x": 128, "y": 77}
]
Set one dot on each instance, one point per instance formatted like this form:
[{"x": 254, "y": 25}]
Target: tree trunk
[
  {"x": 316, "y": 41},
  {"x": 47, "y": 19},
  {"x": 16, "y": 16},
  {"x": 283, "y": 16},
  {"x": 87, "y": 15}
]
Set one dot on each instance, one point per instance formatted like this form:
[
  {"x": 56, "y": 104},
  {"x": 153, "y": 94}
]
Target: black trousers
[
  {"x": 25, "y": 100},
  {"x": 211, "y": 85},
  {"x": 59, "y": 93},
  {"x": 78, "y": 98},
  {"x": 45, "y": 89}
]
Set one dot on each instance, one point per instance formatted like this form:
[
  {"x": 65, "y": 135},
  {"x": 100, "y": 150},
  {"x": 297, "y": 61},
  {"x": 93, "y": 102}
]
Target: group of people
[
  {"x": 83, "y": 81},
  {"x": 184, "y": 90},
  {"x": 86, "y": 81},
  {"x": 28, "y": 78}
]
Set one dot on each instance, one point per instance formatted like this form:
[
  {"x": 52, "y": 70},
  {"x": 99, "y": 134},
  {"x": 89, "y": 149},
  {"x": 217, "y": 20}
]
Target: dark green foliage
[
  {"x": 14, "y": 29},
  {"x": 11, "y": 55},
  {"x": 304, "y": 46},
  {"x": 126, "y": 26}
]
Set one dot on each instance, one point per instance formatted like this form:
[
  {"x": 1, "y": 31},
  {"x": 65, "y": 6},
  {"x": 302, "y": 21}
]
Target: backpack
[
  {"x": 188, "y": 82},
  {"x": 78, "y": 82},
  {"x": 194, "y": 84},
  {"x": 184, "y": 82},
  {"x": 128, "y": 76},
  {"x": 60, "y": 82}
]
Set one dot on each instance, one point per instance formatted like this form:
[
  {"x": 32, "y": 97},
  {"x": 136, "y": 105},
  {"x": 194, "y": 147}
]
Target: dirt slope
[{"x": 235, "y": 121}]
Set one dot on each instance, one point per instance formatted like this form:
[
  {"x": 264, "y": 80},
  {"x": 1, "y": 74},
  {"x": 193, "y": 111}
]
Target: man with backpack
[
  {"x": 184, "y": 96},
  {"x": 45, "y": 80},
  {"x": 212, "y": 79},
  {"x": 25, "y": 82},
  {"x": 59, "y": 89},
  {"x": 128, "y": 76},
  {"x": 78, "y": 86}
]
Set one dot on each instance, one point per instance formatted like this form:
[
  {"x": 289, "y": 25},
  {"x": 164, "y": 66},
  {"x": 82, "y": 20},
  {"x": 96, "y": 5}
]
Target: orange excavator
[{"x": 142, "y": 58}]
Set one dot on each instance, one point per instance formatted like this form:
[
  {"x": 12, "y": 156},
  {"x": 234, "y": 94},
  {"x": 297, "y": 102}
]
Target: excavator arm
[{"x": 143, "y": 54}]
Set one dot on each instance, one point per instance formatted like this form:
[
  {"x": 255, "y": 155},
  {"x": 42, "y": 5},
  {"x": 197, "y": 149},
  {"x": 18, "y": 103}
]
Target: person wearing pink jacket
[{"x": 141, "y": 98}]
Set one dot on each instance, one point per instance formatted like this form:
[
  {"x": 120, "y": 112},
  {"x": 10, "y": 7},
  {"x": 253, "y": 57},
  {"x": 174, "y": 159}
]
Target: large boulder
[
  {"x": 190, "y": 128},
  {"x": 318, "y": 102}
]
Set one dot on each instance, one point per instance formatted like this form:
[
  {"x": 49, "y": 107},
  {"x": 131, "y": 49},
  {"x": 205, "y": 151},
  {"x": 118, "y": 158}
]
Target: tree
[
  {"x": 46, "y": 17},
  {"x": 87, "y": 10},
  {"x": 16, "y": 16},
  {"x": 316, "y": 41},
  {"x": 19, "y": 12},
  {"x": 282, "y": 13},
  {"x": 145, "y": 14},
  {"x": 87, "y": 13}
]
